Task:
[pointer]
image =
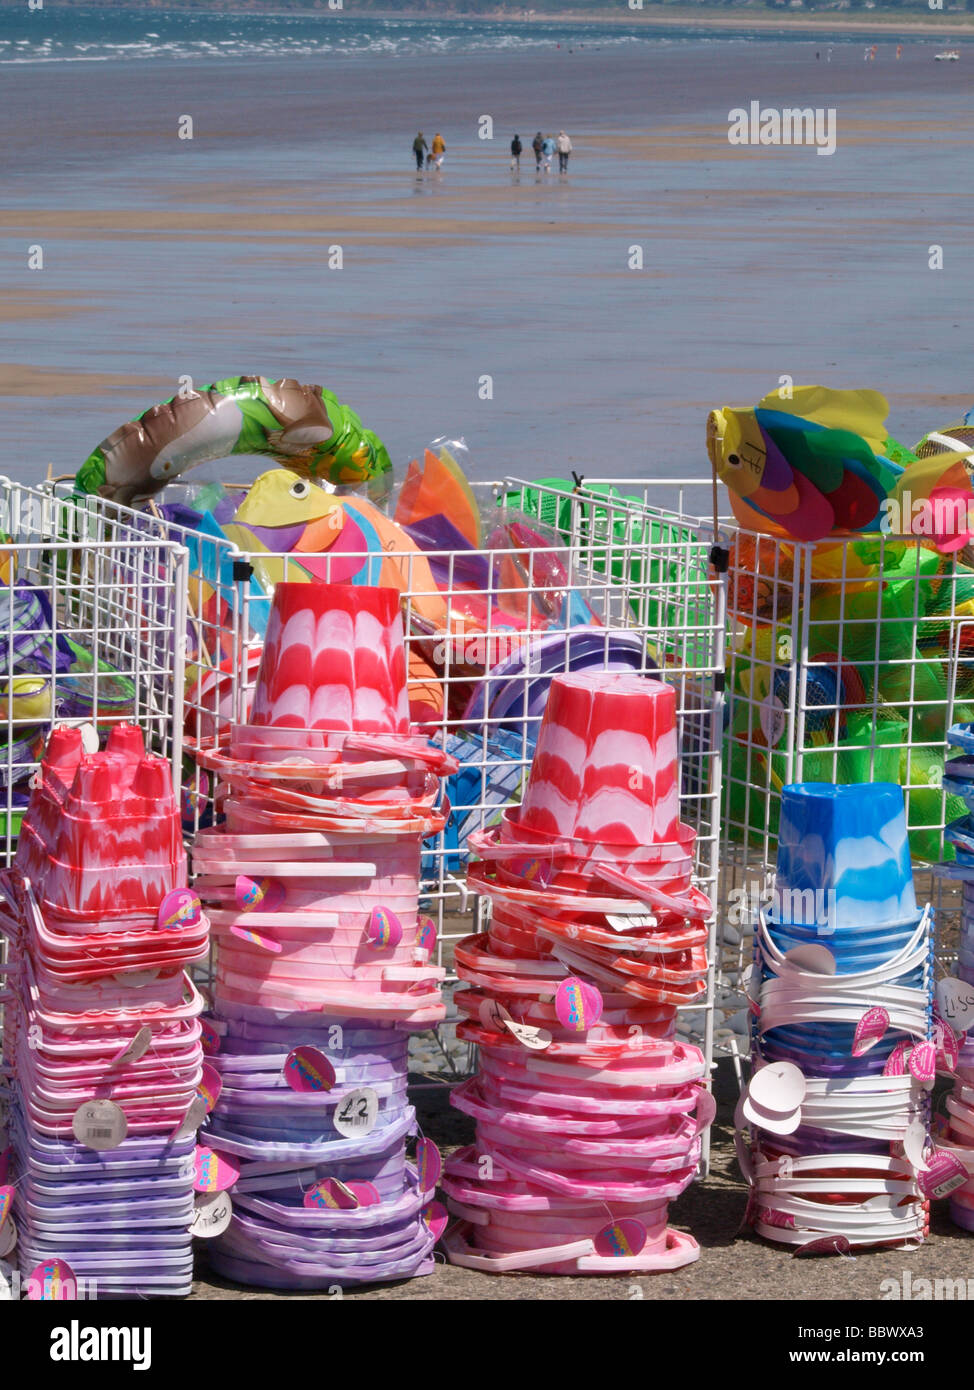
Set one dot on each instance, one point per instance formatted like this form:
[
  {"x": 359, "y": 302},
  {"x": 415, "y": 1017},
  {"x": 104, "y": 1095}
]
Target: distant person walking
[
  {"x": 564, "y": 150},
  {"x": 516, "y": 148},
  {"x": 537, "y": 144},
  {"x": 548, "y": 148},
  {"x": 420, "y": 148},
  {"x": 438, "y": 150}
]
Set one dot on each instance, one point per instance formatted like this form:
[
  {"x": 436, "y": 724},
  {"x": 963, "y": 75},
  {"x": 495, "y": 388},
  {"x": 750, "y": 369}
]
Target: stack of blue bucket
[{"x": 844, "y": 939}]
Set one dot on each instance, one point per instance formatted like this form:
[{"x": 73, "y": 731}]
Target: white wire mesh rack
[
  {"x": 90, "y": 613},
  {"x": 483, "y": 637},
  {"x": 847, "y": 660},
  {"x": 90, "y": 610}
]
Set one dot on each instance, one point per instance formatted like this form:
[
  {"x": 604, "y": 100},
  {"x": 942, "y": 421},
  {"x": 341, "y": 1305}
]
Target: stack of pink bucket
[
  {"x": 323, "y": 964},
  {"x": 102, "y": 1030},
  {"x": 589, "y": 1112}
]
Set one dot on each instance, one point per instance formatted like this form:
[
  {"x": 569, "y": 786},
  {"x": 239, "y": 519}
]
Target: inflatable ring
[{"x": 305, "y": 427}]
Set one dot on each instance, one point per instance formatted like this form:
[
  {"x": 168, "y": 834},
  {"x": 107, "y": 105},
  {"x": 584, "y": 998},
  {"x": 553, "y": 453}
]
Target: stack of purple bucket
[
  {"x": 322, "y": 963},
  {"x": 102, "y": 1032}
]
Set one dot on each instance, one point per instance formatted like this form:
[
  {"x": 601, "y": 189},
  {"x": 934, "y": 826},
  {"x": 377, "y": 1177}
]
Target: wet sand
[{"x": 210, "y": 257}]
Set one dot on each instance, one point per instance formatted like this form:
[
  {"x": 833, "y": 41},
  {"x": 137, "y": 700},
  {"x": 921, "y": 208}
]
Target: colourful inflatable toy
[
  {"x": 820, "y": 463},
  {"x": 898, "y": 611},
  {"x": 304, "y": 426}
]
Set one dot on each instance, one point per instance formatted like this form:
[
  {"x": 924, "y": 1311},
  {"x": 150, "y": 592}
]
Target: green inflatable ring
[{"x": 305, "y": 427}]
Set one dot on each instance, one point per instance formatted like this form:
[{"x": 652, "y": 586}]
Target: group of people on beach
[
  {"x": 545, "y": 147},
  {"x": 431, "y": 155}
]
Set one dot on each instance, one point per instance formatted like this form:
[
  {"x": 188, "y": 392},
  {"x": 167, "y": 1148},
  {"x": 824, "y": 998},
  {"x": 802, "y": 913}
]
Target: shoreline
[{"x": 691, "y": 18}]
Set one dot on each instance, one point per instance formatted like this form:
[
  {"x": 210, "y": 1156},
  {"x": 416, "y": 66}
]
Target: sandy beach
[{"x": 165, "y": 257}]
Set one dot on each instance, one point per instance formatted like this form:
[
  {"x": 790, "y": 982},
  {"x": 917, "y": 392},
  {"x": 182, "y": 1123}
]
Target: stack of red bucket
[
  {"x": 102, "y": 1028},
  {"x": 323, "y": 962},
  {"x": 589, "y": 1112}
]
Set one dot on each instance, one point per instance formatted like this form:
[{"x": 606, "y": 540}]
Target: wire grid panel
[
  {"x": 485, "y": 631},
  {"x": 89, "y": 616},
  {"x": 848, "y": 660}
]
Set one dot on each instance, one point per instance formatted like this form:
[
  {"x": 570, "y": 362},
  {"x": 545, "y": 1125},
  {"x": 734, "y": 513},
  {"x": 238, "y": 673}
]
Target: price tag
[
  {"x": 213, "y": 1172},
  {"x": 265, "y": 893},
  {"x": 356, "y": 1114},
  {"x": 52, "y": 1280},
  {"x": 955, "y": 1003},
  {"x": 211, "y": 1215},
  {"x": 426, "y": 936},
  {"x": 384, "y": 929},
  {"x": 256, "y": 938},
  {"x": 944, "y": 1174},
  {"x": 870, "y": 1028},
  {"x": 180, "y": 908},
  {"x": 772, "y": 717},
  {"x": 706, "y": 1110},
  {"x": 210, "y": 1040},
  {"x": 637, "y": 922},
  {"x": 827, "y": 1245},
  {"x": 89, "y": 737},
  {"x": 537, "y": 1039},
  {"x": 437, "y": 1218},
  {"x": 211, "y": 1084},
  {"x": 308, "y": 1069},
  {"x": 922, "y": 1063},
  {"x": 621, "y": 1239},
  {"x": 947, "y": 1044},
  {"x": 578, "y": 1005},
  {"x": 332, "y": 1194},
  {"x": 429, "y": 1165},
  {"x": 494, "y": 1016},
  {"x": 6, "y": 1203},
  {"x": 915, "y": 1144},
  {"x": 192, "y": 1120},
  {"x": 99, "y": 1124},
  {"x": 137, "y": 1048},
  {"x": 896, "y": 1061},
  {"x": 136, "y": 979}
]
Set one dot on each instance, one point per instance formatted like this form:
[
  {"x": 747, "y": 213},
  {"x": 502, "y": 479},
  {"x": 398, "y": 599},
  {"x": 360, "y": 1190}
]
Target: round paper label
[
  {"x": 356, "y": 1113},
  {"x": 211, "y": 1214},
  {"x": 99, "y": 1124}
]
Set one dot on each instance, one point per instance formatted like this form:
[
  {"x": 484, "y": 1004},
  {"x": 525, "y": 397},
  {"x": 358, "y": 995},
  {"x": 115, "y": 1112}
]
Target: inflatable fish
[
  {"x": 821, "y": 462},
  {"x": 304, "y": 426}
]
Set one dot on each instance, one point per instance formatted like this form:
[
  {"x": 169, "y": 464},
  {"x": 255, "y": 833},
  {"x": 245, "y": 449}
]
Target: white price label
[
  {"x": 99, "y": 1124},
  {"x": 772, "y": 717},
  {"x": 137, "y": 1048},
  {"x": 211, "y": 1214},
  {"x": 955, "y": 1003},
  {"x": 356, "y": 1113},
  {"x": 637, "y": 922}
]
